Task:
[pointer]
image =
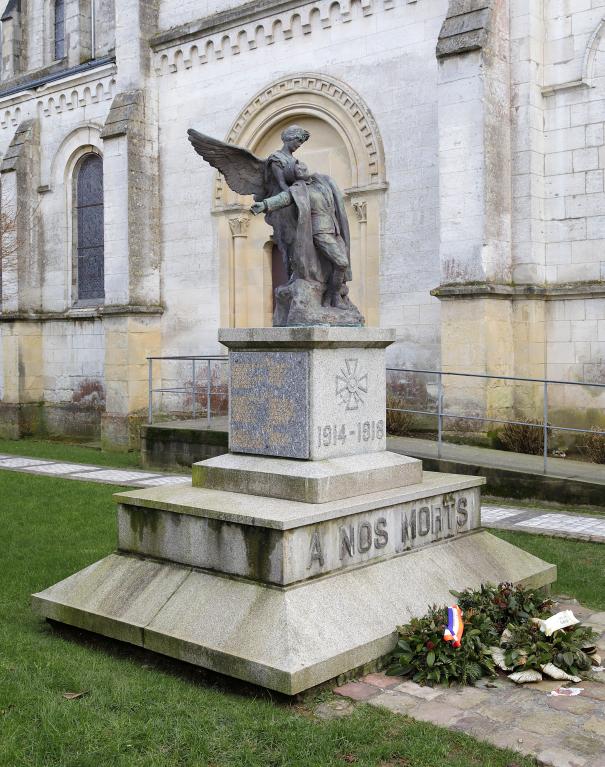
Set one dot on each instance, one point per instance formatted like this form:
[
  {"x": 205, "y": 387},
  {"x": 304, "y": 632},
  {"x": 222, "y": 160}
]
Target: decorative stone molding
[
  {"x": 322, "y": 95},
  {"x": 250, "y": 26},
  {"x": 361, "y": 210},
  {"x": 562, "y": 291},
  {"x": 88, "y": 313},
  {"x": 239, "y": 226},
  {"x": 590, "y": 56},
  {"x": 466, "y": 27},
  {"x": 67, "y": 94}
]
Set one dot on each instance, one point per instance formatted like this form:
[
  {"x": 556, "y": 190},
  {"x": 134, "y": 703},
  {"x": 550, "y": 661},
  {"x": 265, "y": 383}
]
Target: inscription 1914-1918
[{"x": 408, "y": 527}]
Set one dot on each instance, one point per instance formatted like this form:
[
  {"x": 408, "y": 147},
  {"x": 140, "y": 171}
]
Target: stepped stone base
[
  {"x": 288, "y": 572},
  {"x": 281, "y": 593},
  {"x": 307, "y": 481},
  {"x": 286, "y": 639}
]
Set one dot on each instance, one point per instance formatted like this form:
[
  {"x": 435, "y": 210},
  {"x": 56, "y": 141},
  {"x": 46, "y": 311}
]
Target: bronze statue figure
[{"x": 309, "y": 221}]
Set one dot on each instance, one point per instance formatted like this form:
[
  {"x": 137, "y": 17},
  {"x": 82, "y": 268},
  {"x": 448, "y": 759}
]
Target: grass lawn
[
  {"x": 581, "y": 565},
  {"x": 143, "y": 711},
  {"x": 61, "y": 451}
]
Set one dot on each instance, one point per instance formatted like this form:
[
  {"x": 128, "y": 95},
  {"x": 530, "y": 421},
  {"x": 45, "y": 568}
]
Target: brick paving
[{"x": 557, "y": 731}]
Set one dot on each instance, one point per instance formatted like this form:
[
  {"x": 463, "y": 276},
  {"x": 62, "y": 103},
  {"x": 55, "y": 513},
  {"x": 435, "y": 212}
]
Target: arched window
[
  {"x": 59, "y": 29},
  {"x": 89, "y": 228}
]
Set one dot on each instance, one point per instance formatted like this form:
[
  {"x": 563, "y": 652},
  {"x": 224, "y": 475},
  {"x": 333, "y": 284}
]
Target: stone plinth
[
  {"x": 288, "y": 572},
  {"x": 308, "y": 481},
  {"x": 310, "y": 393},
  {"x": 280, "y": 543}
]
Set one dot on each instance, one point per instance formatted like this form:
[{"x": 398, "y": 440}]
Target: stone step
[
  {"x": 307, "y": 481},
  {"x": 288, "y": 639}
]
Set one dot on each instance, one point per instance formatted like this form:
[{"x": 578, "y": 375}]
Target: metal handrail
[
  {"x": 193, "y": 358},
  {"x": 441, "y": 414}
]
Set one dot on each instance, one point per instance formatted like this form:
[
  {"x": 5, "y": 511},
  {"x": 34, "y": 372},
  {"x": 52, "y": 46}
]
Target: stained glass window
[
  {"x": 89, "y": 209},
  {"x": 59, "y": 29}
]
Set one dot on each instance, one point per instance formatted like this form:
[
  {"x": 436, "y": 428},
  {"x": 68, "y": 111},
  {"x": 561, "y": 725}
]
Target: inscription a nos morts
[
  {"x": 269, "y": 403},
  {"x": 392, "y": 530}
]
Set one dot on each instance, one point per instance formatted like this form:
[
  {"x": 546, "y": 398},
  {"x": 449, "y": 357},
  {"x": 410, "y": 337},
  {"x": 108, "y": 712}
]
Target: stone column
[
  {"x": 132, "y": 261},
  {"x": 239, "y": 274},
  {"x": 475, "y": 204},
  {"x": 21, "y": 284}
]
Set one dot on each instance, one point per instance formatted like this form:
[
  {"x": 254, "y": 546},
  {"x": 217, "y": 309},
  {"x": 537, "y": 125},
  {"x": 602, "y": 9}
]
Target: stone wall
[
  {"x": 390, "y": 42},
  {"x": 468, "y": 134}
]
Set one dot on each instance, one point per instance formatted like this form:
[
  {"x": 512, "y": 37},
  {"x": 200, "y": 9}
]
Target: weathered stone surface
[
  {"x": 437, "y": 713},
  {"x": 269, "y": 403},
  {"x": 583, "y": 744},
  {"x": 397, "y": 702},
  {"x": 577, "y": 705},
  {"x": 300, "y": 303},
  {"x": 310, "y": 395},
  {"x": 545, "y": 722},
  {"x": 356, "y": 691},
  {"x": 558, "y": 757},
  {"x": 302, "y": 548},
  {"x": 514, "y": 738},
  {"x": 270, "y": 636},
  {"x": 382, "y": 681},
  {"x": 309, "y": 481},
  {"x": 418, "y": 691},
  {"x": 306, "y": 338}
]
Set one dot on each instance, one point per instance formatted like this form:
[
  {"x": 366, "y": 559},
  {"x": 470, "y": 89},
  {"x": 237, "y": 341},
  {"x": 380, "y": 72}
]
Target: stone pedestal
[{"x": 288, "y": 571}]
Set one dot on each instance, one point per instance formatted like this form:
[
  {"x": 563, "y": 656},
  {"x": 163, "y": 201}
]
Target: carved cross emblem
[{"x": 351, "y": 385}]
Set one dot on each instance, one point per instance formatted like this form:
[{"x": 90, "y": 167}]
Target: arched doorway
[{"x": 344, "y": 144}]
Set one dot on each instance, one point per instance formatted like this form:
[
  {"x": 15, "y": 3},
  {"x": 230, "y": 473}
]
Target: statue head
[
  {"x": 293, "y": 136},
  {"x": 301, "y": 172}
]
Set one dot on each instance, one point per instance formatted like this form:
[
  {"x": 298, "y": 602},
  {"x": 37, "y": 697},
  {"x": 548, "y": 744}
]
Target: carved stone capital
[
  {"x": 239, "y": 226},
  {"x": 361, "y": 210}
]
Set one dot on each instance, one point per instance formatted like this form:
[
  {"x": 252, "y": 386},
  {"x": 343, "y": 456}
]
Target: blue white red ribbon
[{"x": 455, "y": 626}]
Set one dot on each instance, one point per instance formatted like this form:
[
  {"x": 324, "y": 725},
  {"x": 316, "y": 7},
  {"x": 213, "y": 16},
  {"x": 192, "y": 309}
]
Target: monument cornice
[{"x": 551, "y": 292}]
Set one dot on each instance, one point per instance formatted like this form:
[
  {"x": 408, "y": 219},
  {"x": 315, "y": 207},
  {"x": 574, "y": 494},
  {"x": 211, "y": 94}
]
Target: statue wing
[{"x": 243, "y": 171}]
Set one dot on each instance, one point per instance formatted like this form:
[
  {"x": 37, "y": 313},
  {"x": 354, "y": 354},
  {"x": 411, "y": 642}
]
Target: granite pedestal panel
[
  {"x": 307, "y": 393},
  {"x": 288, "y": 572}
]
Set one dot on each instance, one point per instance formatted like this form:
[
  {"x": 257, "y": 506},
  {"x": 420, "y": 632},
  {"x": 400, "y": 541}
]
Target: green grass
[
  {"x": 143, "y": 711},
  {"x": 580, "y": 565},
  {"x": 61, "y": 451}
]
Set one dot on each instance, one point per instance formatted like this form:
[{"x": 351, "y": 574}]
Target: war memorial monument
[{"x": 292, "y": 558}]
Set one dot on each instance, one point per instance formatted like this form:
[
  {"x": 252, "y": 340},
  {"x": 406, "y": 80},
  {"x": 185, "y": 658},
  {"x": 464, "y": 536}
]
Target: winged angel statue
[{"x": 310, "y": 226}]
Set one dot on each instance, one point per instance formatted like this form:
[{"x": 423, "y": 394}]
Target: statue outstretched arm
[{"x": 278, "y": 201}]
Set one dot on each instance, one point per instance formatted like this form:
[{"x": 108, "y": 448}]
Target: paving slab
[
  {"x": 90, "y": 472},
  {"x": 556, "y": 731}
]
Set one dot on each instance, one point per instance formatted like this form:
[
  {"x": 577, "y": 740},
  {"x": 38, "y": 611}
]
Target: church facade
[{"x": 468, "y": 136}]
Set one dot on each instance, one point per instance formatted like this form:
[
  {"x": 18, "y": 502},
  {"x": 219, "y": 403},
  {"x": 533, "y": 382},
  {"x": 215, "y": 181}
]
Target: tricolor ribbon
[{"x": 455, "y": 626}]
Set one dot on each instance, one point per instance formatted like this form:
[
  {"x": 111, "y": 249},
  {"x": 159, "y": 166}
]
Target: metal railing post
[
  {"x": 150, "y": 393},
  {"x": 439, "y": 413},
  {"x": 545, "y": 426},
  {"x": 193, "y": 397},
  {"x": 208, "y": 396}
]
